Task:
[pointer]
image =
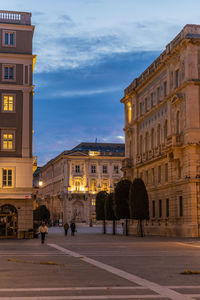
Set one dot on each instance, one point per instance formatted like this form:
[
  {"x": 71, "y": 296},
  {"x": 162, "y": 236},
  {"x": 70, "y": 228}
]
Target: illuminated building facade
[
  {"x": 162, "y": 136},
  {"x": 72, "y": 180},
  {"x": 16, "y": 102}
]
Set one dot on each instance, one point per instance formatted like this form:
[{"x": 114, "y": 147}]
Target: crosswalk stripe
[{"x": 122, "y": 297}]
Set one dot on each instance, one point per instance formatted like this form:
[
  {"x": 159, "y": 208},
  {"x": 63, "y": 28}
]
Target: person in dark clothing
[
  {"x": 73, "y": 228},
  {"x": 66, "y": 227}
]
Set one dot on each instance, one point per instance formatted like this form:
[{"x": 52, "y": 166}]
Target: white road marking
[
  {"x": 83, "y": 297},
  {"x": 161, "y": 290},
  {"x": 190, "y": 245},
  {"x": 89, "y": 288}
]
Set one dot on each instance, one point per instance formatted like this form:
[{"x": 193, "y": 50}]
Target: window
[
  {"x": 140, "y": 145},
  {"x": 93, "y": 202},
  {"x": 152, "y": 138},
  {"x": 159, "y": 174},
  {"x": 166, "y": 172},
  {"x": 165, "y": 129},
  {"x": 158, "y": 94},
  {"x": 105, "y": 169},
  {"x": 93, "y": 185},
  {"x": 105, "y": 186},
  {"x": 140, "y": 108},
  {"x": 116, "y": 169},
  {"x": 8, "y": 103},
  {"x": 8, "y": 141},
  {"x": 167, "y": 207},
  {"x": 158, "y": 135},
  {"x": 8, "y": 72},
  {"x": 9, "y": 39},
  {"x": 178, "y": 122},
  {"x": 181, "y": 206},
  {"x": 77, "y": 186},
  {"x": 7, "y": 177},
  {"x": 129, "y": 113},
  {"x": 153, "y": 175},
  {"x": 160, "y": 208},
  {"x": 165, "y": 88},
  {"x": 145, "y": 102},
  {"x": 176, "y": 78},
  {"x": 146, "y": 141},
  {"x": 153, "y": 209},
  {"x": 93, "y": 169},
  {"x": 151, "y": 100},
  {"x": 77, "y": 169}
]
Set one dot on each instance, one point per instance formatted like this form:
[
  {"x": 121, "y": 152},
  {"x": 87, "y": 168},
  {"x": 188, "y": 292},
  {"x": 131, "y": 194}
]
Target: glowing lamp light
[{"x": 40, "y": 183}]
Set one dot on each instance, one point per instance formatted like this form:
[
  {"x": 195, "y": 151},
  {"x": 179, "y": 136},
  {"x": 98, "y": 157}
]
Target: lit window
[
  {"x": 77, "y": 186},
  {"x": 93, "y": 185},
  {"x": 8, "y": 103},
  {"x": 105, "y": 186},
  {"x": 93, "y": 169},
  {"x": 7, "y": 177},
  {"x": 9, "y": 39},
  {"x": 7, "y": 141},
  {"x": 105, "y": 170},
  {"x": 93, "y": 202},
  {"x": 77, "y": 169},
  {"x": 8, "y": 72}
]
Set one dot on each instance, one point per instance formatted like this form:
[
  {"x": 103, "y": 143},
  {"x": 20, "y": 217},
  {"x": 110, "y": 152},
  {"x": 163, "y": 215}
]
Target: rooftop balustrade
[{"x": 14, "y": 17}]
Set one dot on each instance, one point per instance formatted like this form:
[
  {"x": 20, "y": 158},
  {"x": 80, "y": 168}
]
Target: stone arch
[{"x": 8, "y": 221}]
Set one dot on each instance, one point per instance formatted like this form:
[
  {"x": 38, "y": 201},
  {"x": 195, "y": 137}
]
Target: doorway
[{"x": 8, "y": 221}]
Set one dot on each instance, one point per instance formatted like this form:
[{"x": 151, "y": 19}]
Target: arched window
[
  {"x": 129, "y": 113},
  {"x": 158, "y": 135},
  {"x": 140, "y": 149},
  {"x": 146, "y": 141},
  {"x": 77, "y": 186},
  {"x": 152, "y": 138},
  {"x": 165, "y": 129},
  {"x": 178, "y": 122}
]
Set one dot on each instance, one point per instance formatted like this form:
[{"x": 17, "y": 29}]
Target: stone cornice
[{"x": 189, "y": 34}]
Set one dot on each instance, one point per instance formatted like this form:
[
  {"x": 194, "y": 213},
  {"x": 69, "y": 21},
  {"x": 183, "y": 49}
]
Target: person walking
[
  {"x": 73, "y": 228},
  {"x": 66, "y": 227},
  {"x": 43, "y": 230}
]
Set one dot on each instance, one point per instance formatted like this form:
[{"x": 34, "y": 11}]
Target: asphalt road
[{"x": 93, "y": 266}]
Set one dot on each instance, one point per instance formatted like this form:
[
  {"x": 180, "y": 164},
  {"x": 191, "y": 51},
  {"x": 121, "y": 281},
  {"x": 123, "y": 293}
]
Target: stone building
[
  {"x": 162, "y": 136},
  {"x": 72, "y": 180},
  {"x": 16, "y": 113}
]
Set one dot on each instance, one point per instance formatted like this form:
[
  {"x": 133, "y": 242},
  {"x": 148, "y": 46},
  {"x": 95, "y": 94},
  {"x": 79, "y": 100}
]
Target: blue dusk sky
[{"x": 88, "y": 51}]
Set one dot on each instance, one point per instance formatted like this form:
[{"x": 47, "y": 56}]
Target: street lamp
[{"x": 40, "y": 183}]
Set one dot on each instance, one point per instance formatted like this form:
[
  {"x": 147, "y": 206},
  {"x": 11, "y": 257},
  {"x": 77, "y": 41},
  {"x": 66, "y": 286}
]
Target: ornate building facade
[
  {"x": 162, "y": 136},
  {"x": 16, "y": 114},
  {"x": 72, "y": 180}
]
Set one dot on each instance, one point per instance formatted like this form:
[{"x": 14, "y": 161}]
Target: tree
[
  {"x": 109, "y": 210},
  {"x": 41, "y": 213},
  {"x": 100, "y": 208},
  {"x": 121, "y": 200},
  {"x": 139, "y": 203}
]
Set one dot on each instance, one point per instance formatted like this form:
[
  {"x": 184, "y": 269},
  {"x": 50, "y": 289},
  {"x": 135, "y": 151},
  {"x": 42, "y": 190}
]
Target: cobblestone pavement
[{"x": 93, "y": 266}]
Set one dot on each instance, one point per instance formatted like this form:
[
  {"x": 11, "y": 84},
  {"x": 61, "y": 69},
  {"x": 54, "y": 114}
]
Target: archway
[{"x": 8, "y": 221}]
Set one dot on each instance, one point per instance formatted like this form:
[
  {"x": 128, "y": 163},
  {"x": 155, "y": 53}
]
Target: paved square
[{"x": 91, "y": 265}]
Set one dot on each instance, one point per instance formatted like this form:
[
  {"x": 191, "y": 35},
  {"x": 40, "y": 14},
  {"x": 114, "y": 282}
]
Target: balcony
[
  {"x": 14, "y": 17},
  {"x": 144, "y": 156},
  {"x": 175, "y": 140},
  {"x": 138, "y": 158},
  {"x": 77, "y": 174},
  {"x": 127, "y": 163},
  {"x": 157, "y": 151},
  {"x": 151, "y": 154}
]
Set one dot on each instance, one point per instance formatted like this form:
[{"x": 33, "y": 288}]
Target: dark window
[
  {"x": 177, "y": 78},
  {"x": 165, "y": 88},
  {"x": 160, "y": 208},
  {"x": 167, "y": 207},
  {"x": 116, "y": 169},
  {"x": 151, "y": 100},
  {"x": 181, "y": 206},
  {"x": 153, "y": 209},
  {"x": 159, "y": 174},
  {"x": 166, "y": 172},
  {"x": 105, "y": 170},
  {"x": 93, "y": 169},
  {"x": 77, "y": 169}
]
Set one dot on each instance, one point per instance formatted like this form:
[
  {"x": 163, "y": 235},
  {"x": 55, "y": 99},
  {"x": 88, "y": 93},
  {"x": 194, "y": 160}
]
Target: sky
[{"x": 88, "y": 52}]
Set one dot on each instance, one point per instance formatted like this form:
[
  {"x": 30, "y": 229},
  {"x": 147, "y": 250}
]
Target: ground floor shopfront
[{"x": 16, "y": 219}]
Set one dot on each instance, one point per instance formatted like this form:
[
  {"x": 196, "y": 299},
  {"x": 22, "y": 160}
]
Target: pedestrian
[
  {"x": 72, "y": 227},
  {"x": 43, "y": 230},
  {"x": 66, "y": 227}
]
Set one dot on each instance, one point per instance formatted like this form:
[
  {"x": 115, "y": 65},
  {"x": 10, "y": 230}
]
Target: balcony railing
[
  {"x": 138, "y": 158},
  {"x": 14, "y": 17}
]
